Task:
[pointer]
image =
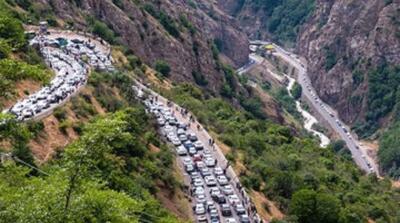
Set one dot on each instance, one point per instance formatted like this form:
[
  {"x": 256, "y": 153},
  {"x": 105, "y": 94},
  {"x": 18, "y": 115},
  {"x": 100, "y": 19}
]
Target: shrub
[
  {"x": 296, "y": 91},
  {"x": 64, "y": 125},
  {"x": 187, "y": 24},
  {"x": 35, "y": 127},
  {"x": 60, "y": 114},
  {"x": 102, "y": 30},
  {"x": 134, "y": 61},
  {"x": 162, "y": 67},
  {"x": 11, "y": 31},
  {"x": 5, "y": 49},
  {"x": 199, "y": 78}
]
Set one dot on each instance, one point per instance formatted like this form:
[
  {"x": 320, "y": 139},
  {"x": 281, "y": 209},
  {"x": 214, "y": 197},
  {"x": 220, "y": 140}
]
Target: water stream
[{"x": 309, "y": 120}]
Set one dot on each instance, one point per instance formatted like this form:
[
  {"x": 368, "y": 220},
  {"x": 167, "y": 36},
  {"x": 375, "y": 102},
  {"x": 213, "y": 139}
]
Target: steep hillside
[
  {"x": 279, "y": 20},
  {"x": 181, "y": 33},
  {"x": 352, "y": 48}
]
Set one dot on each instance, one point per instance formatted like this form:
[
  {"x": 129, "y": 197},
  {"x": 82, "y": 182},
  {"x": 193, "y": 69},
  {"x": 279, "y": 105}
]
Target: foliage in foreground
[
  {"x": 13, "y": 41},
  {"x": 108, "y": 175}
]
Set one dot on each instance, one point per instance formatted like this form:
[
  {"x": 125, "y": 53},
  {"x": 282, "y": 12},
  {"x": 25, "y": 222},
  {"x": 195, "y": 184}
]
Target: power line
[
  {"x": 15, "y": 158},
  {"x": 29, "y": 165}
]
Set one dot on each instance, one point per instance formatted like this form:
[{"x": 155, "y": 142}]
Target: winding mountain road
[
  {"x": 309, "y": 120},
  {"x": 328, "y": 114},
  {"x": 70, "y": 55},
  {"x": 325, "y": 112}
]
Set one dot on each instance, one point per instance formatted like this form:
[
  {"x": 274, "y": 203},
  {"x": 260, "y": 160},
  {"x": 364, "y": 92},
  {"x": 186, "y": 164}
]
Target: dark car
[
  {"x": 192, "y": 137},
  {"x": 77, "y": 41},
  {"x": 219, "y": 198},
  {"x": 187, "y": 144},
  {"x": 182, "y": 126},
  {"x": 226, "y": 210}
]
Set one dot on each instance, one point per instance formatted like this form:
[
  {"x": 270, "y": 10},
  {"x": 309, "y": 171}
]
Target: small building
[
  {"x": 269, "y": 48},
  {"x": 43, "y": 26}
]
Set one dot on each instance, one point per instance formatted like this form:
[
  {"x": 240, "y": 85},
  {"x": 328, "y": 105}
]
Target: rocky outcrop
[
  {"x": 343, "y": 36},
  {"x": 144, "y": 34},
  {"x": 252, "y": 19}
]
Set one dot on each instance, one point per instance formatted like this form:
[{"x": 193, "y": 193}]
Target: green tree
[
  {"x": 5, "y": 49},
  {"x": 162, "y": 67},
  {"x": 11, "y": 31},
  {"x": 296, "y": 91},
  {"x": 310, "y": 206}
]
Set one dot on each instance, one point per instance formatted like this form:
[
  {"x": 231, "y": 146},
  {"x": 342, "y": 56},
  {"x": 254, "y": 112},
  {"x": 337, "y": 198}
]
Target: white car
[
  {"x": 192, "y": 151},
  {"x": 222, "y": 180},
  {"x": 197, "y": 182},
  {"x": 201, "y": 198},
  {"x": 214, "y": 191},
  {"x": 210, "y": 181},
  {"x": 233, "y": 199},
  {"x": 181, "y": 131},
  {"x": 187, "y": 161},
  {"x": 199, "y": 190},
  {"x": 198, "y": 145},
  {"x": 240, "y": 210},
  {"x": 228, "y": 189},
  {"x": 171, "y": 136},
  {"x": 218, "y": 171},
  {"x": 210, "y": 162},
  {"x": 181, "y": 151},
  {"x": 183, "y": 138},
  {"x": 200, "y": 209},
  {"x": 176, "y": 142},
  {"x": 230, "y": 220},
  {"x": 189, "y": 168},
  {"x": 207, "y": 151},
  {"x": 200, "y": 164},
  {"x": 168, "y": 129}
]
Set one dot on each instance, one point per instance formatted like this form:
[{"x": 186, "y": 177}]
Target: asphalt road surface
[
  {"x": 216, "y": 152},
  {"x": 309, "y": 120},
  {"x": 63, "y": 52},
  {"x": 328, "y": 114}
]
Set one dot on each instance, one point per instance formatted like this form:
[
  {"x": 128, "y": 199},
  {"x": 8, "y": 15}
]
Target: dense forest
[{"x": 284, "y": 17}]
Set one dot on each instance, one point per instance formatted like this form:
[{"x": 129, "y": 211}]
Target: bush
[
  {"x": 60, "y": 114},
  {"x": 187, "y": 24},
  {"x": 35, "y": 127},
  {"x": 296, "y": 91},
  {"x": 5, "y": 49},
  {"x": 64, "y": 125},
  {"x": 162, "y": 67},
  {"x": 330, "y": 59},
  {"x": 82, "y": 108},
  {"x": 199, "y": 78},
  {"x": 12, "y": 71},
  {"x": 102, "y": 30},
  {"x": 287, "y": 102},
  {"x": 12, "y": 32},
  {"x": 169, "y": 24},
  {"x": 134, "y": 61}
]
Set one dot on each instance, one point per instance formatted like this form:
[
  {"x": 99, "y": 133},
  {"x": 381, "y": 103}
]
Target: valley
[{"x": 166, "y": 111}]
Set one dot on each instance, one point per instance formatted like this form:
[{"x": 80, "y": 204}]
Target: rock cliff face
[
  {"x": 140, "y": 25},
  {"x": 277, "y": 20},
  {"x": 343, "y": 37},
  {"x": 252, "y": 19}
]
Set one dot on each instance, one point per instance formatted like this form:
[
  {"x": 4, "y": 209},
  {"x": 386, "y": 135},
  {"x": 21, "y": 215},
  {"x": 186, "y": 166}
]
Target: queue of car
[
  {"x": 338, "y": 123},
  {"x": 65, "y": 58},
  {"x": 214, "y": 196}
]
